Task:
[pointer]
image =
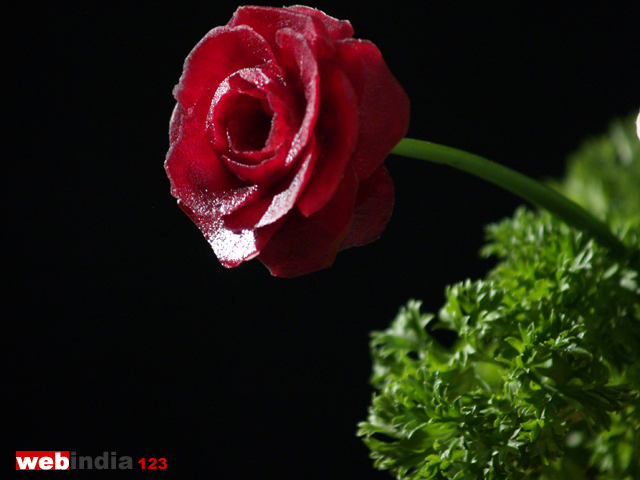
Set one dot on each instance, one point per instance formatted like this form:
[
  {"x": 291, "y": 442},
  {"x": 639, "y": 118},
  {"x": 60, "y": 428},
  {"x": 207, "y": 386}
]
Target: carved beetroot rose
[{"x": 277, "y": 140}]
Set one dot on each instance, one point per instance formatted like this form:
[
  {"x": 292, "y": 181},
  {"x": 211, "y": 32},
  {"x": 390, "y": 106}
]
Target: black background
[{"x": 130, "y": 335}]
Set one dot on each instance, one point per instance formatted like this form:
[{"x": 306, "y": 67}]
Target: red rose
[{"x": 278, "y": 137}]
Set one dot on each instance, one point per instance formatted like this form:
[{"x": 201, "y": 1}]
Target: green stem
[{"x": 521, "y": 185}]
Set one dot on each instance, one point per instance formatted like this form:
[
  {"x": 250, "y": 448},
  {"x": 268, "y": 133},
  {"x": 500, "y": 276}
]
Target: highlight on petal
[
  {"x": 175, "y": 124},
  {"x": 231, "y": 248}
]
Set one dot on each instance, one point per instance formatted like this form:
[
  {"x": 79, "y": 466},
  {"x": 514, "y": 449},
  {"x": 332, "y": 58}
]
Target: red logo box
[{"x": 30, "y": 460}]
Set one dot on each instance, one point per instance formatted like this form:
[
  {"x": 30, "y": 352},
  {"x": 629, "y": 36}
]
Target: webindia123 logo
[{"x": 62, "y": 460}]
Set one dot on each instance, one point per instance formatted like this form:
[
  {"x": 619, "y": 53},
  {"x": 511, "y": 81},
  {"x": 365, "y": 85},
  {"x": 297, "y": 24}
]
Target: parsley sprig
[{"x": 543, "y": 381}]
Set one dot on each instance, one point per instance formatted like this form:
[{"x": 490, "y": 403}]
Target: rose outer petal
[
  {"x": 337, "y": 29},
  {"x": 373, "y": 208},
  {"x": 337, "y": 134},
  {"x": 384, "y": 105},
  {"x": 306, "y": 244},
  {"x": 319, "y": 29},
  {"x": 209, "y": 63}
]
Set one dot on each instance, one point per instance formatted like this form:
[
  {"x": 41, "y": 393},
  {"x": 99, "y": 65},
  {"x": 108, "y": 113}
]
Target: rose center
[{"x": 249, "y": 125}]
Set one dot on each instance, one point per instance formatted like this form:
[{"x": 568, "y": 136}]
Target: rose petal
[
  {"x": 319, "y": 29},
  {"x": 373, "y": 208},
  {"x": 275, "y": 203},
  {"x": 195, "y": 118},
  {"x": 299, "y": 63},
  {"x": 231, "y": 248},
  {"x": 198, "y": 178},
  {"x": 306, "y": 244},
  {"x": 384, "y": 106},
  {"x": 337, "y": 134},
  {"x": 209, "y": 63},
  {"x": 337, "y": 29}
]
